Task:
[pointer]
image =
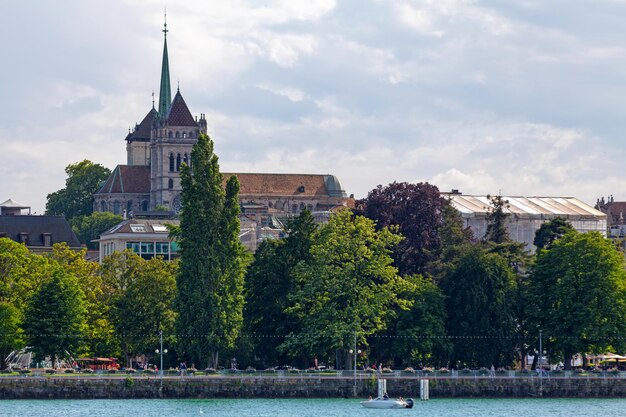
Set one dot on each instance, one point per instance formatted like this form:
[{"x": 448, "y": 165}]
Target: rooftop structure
[{"x": 527, "y": 214}]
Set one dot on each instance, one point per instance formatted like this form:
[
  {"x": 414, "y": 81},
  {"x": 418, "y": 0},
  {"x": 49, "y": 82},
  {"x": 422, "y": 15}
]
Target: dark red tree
[{"x": 417, "y": 211}]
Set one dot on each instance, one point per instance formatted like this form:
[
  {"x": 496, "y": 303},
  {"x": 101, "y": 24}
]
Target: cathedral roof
[
  {"x": 179, "y": 114},
  {"x": 309, "y": 185},
  {"x": 143, "y": 129},
  {"x": 132, "y": 179}
]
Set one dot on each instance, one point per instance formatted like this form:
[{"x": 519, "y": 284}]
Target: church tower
[{"x": 174, "y": 132}]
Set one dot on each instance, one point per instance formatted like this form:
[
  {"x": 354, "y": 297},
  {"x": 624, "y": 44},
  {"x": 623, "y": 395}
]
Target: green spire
[{"x": 165, "y": 93}]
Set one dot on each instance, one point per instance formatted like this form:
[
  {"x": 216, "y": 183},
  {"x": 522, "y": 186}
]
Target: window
[
  {"x": 103, "y": 206},
  {"x": 184, "y": 135},
  {"x": 185, "y": 159},
  {"x": 144, "y": 205},
  {"x": 177, "y": 135},
  {"x": 117, "y": 207},
  {"x": 134, "y": 246},
  {"x": 178, "y": 162},
  {"x": 147, "y": 247},
  {"x": 171, "y": 162},
  {"x": 170, "y": 183},
  {"x": 137, "y": 228},
  {"x": 159, "y": 228},
  {"x": 170, "y": 134},
  {"x": 129, "y": 206}
]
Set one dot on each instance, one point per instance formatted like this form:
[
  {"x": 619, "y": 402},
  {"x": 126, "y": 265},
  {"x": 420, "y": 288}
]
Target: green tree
[
  {"x": 496, "y": 220},
  {"x": 415, "y": 335},
  {"x": 551, "y": 231},
  {"x": 269, "y": 282},
  {"x": 140, "y": 297},
  {"x": 579, "y": 288},
  {"x": 76, "y": 199},
  {"x": 54, "y": 321},
  {"x": 347, "y": 287},
  {"x": 21, "y": 273},
  {"x": 90, "y": 227},
  {"x": 212, "y": 261},
  {"x": 99, "y": 333},
  {"x": 11, "y": 335},
  {"x": 481, "y": 319}
]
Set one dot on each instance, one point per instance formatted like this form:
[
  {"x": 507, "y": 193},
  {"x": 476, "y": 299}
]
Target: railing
[{"x": 347, "y": 374}]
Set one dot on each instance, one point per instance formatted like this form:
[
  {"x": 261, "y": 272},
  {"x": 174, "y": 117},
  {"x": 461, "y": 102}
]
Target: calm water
[{"x": 537, "y": 407}]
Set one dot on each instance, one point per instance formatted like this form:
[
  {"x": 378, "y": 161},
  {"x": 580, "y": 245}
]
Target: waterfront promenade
[{"x": 340, "y": 384}]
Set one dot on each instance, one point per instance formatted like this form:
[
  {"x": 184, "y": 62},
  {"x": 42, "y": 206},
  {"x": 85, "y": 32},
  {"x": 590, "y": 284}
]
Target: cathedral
[{"x": 156, "y": 147}]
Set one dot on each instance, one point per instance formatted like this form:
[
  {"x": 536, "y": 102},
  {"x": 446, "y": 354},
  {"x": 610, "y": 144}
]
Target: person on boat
[{"x": 385, "y": 396}]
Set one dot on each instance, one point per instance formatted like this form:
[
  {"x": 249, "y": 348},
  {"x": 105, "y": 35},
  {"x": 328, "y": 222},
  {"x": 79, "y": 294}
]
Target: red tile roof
[
  {"x": 128, "y": 179},
  {"x": 179, "y": 114},
  {"x": 280, "y": 184}
]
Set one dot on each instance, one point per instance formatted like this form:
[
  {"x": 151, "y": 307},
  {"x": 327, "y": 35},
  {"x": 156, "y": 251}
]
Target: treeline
[{"x": 398, "y": 278}]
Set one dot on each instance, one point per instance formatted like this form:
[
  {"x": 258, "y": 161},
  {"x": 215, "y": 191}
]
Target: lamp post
[
  {"x": 356, "y": 353},
  {"x": 161, "y": 352}
]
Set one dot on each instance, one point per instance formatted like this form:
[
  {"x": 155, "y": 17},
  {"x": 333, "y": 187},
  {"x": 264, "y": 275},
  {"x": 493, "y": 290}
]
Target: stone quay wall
[{"x": 77, "y": 387}]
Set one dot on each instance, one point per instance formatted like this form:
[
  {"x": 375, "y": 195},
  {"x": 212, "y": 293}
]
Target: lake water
[{"x": 535, "y": 407}]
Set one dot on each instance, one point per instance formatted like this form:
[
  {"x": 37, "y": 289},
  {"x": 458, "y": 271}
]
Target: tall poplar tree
[{"x": 212, "y": 261}]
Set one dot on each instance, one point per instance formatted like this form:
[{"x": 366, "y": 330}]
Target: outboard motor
[{"x": 409, "y": 403}]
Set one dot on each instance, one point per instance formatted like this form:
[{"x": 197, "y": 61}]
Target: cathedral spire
[{"x": 165, "y": 93}]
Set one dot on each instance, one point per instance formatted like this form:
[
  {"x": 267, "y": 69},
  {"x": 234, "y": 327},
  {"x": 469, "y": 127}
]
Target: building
[
  {"x": 527, "y": 214},
  {"x": 163, "y": 140},
  {"x": 615, "y": 216},
  {"x": 38, "y": 233}
]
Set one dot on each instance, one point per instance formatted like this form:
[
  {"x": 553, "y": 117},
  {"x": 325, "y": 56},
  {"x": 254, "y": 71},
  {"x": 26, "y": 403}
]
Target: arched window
[
  {"x": 302, "y": 206},
  {"x": 178, "y": 162},
  {"x": 170, "y": 183},
  {"x": 309, "y": 207},
  {"x": 103, "y": 206},
  {"x": 177, "y": 134},
  {"x": 294, "y": 208},
  {"x": 144, "y": 205},
  {"x": 116, "y": 207},
  {"x": 184, "y": 135},
  {"x": 270, "y": 205},
  {"x": 170, "y": 134},
  {"x": 171, "y": 162},
  {"x": 129, "y": 206},
  {"x": 186, "y": 159}
]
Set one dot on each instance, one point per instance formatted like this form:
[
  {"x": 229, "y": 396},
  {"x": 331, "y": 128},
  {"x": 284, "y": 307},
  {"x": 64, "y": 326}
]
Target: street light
[
  {"x": 161, "y": 352},
  {"x": 356, "y": 352}
]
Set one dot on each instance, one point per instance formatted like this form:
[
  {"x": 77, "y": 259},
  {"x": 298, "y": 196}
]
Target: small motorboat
[
  {"x": 386, "y": 402},
  {"x": 383, "y": 400}
]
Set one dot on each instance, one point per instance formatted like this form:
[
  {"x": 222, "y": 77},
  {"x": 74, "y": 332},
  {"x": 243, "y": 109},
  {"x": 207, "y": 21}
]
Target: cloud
[{"x": 524, "y": 97}]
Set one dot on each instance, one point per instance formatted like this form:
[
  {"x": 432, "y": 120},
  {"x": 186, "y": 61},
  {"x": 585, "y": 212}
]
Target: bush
[
  {"x": 210, "y": 371},
  {"x": 149, "y": 371},
  {"x": 24, "y": 371},
  {"x": 250, "y": 369},
  {"x": 129, "y": 382},
  {"x": 131, "y": 371},
  {"x": 50, "y": 371},
  {"x": 69, "y": 371}
]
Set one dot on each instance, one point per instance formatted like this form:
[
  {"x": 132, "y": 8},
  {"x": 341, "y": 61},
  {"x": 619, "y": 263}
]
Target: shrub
[
  {"x": 131, "y": 371},
  {"x": 69, "y": 371},
  {"x": 250, "y": 369},
  {"x": 129, "y": 382},
  {"x": 24, "y": 371},
  {"x": 50, "y": 371},
  {"x": 209, "y": 371},
  {"x": 149, "y": 371}
]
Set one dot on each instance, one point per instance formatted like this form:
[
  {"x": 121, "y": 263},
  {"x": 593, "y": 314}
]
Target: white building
[{"x": 527, "y": 214}]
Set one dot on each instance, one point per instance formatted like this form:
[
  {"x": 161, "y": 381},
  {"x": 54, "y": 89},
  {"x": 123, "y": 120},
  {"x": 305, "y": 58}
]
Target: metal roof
[{"x": 529, "y": 206}]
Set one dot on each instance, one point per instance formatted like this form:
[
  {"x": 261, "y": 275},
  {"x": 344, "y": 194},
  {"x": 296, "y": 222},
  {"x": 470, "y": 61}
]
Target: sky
[{"x": 521, "y": 97}]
